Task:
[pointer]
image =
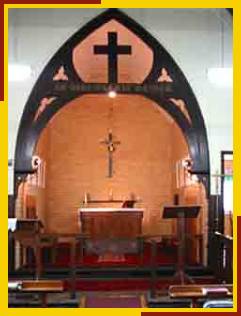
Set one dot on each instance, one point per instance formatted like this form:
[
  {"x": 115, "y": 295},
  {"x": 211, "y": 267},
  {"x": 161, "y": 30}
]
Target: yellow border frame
[{"x": 4, "y": 310}]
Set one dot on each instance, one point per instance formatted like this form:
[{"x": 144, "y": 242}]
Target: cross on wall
[{"x": 112, "y": 50}]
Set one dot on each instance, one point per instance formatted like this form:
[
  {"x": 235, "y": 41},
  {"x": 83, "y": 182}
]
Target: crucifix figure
[
  {"x": 112, "y": 50},
  {"x": 110, "y": 143}
]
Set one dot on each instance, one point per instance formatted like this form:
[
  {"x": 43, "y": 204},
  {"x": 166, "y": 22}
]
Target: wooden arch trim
[{"x": 60, "y": 92}]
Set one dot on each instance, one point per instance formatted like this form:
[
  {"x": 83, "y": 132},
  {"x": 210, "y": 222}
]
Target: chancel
[{"x": 120, "y": 173}]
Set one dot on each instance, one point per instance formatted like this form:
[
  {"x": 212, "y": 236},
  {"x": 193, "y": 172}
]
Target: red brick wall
[{"x": 144, "y": 162}]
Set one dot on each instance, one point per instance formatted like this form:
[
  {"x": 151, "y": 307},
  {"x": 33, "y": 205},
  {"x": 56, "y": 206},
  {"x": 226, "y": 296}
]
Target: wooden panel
[
  {"x": 193, "y": 291},
  {"x": 112, "y": 224},
  {"x": 42, "y": 286}
]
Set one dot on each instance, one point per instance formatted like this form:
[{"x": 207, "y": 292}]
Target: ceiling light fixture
[{"x": 221, "y": 76}]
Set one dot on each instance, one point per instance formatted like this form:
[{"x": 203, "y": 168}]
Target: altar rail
[{"x": 78, "y": 244}]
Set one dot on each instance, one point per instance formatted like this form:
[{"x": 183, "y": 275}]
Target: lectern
[{"x": 181, "y": 212}]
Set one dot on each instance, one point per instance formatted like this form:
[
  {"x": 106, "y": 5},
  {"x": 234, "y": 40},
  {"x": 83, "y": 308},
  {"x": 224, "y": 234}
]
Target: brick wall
[
  {"x": 144, "y": 162},
  {"x": 31, "y": 201}
]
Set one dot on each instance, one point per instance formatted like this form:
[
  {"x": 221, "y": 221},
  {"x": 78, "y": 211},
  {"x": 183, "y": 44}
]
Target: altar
[
  {"x": 111, "y": 223},
  {"x": 112, "y": 232}
]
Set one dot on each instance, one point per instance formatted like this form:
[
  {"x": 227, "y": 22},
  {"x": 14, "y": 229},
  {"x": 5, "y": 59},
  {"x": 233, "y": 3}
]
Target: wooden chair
[{"x": 218, "y": 304}]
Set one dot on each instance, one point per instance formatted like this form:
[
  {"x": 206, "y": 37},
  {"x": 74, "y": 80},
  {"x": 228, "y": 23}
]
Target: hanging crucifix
[{"x": 111, "y": 146}]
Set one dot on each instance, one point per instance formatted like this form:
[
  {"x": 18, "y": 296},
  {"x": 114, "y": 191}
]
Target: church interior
[{"x": 120, "y": 158}]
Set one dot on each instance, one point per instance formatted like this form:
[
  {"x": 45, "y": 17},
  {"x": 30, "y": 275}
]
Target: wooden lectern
[{"x": 181, "y": 212}]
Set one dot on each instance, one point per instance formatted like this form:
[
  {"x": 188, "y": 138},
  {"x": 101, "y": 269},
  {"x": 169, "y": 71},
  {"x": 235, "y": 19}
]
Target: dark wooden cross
[
  {"x": 112, "y": 50},
  {"x": 110, "y": 143}
]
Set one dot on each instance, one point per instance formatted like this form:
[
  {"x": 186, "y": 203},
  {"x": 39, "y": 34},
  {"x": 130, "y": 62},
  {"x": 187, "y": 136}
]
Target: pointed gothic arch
[{"x": 60, "y": 83}]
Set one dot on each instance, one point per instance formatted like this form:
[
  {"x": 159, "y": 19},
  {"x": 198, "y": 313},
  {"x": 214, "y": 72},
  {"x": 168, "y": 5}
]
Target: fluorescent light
[
  {"x": 222, "y": 77},
  {"x": 18, "y": 72}
]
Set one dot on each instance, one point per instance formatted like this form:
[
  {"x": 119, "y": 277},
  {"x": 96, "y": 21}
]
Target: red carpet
[
  {"x": 125, "y": 284},
  {"x": 112, "y": 302},
  {"x": 115, "y": 285}
]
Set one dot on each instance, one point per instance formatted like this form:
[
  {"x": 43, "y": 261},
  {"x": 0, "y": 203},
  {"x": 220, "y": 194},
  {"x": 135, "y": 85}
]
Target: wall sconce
[
  {"x": 187, "y": 164},
  {"x": 36, "y": 161}
]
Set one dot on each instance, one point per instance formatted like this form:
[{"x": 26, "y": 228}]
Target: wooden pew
[
  {"x": 195, "y": 292},
  {"x": 40, "y": 287}
]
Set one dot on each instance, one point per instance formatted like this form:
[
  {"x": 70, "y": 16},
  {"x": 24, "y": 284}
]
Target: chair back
[{"x": 218, "y": 304}]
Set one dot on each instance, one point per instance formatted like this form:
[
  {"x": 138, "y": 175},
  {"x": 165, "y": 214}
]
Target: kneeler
[{"x": 121, "y": 300}]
